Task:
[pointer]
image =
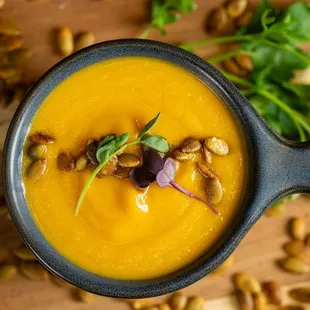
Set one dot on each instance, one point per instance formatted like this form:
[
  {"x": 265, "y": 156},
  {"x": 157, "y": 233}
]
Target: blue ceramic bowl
[{"x": 276, "y": 167}]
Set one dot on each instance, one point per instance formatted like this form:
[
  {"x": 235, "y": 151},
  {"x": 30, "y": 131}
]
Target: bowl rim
[{"x": 34, "y": 239}]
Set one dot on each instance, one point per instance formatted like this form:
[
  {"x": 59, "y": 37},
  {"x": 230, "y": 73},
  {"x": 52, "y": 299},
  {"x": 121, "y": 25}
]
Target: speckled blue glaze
[{"x": 276, "y": 168}]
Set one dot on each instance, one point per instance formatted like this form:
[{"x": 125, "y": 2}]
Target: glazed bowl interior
[{"x": 14, "y": 190}]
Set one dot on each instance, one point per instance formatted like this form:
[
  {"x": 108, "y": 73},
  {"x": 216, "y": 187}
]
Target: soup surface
[{"x": 121, "y": 231}]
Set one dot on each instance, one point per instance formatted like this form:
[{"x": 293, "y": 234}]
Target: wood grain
[{"x": 258, "y": 252}]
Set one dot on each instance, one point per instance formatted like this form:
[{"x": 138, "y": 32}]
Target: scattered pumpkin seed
[
  {"x": 178, "y": 301},
  {"x": 245, "y": 300},
  {"x": 207, "y": 155},
  {"x": 84, "y": 39},
  {"x": 232, "y": 67},
  {"x": 293, "y": 247},
  {"x": 37, "y": 151},
  {"x": 66, "y": 162},
  {"x": 273, "y": 292},
  {"x": 164, "y": 307},
  {"x": 195, "y": 303},
  {"x": 236, "y": 8},
  {"x": 292, "y": 307},
  {"x": 214, "y": 190},
  {"x": 217, "y": 146},
  {"x": 247, "y": 283},
  {"x": 91, "y": 150},
  {"x": 226, "y": 265},
  {"x": 245, "y": 62},
  {"x": 8, "y": 44},
  {"x": 177, "y": 164},
  {"x": 191, "y": 145},
  {"x": 7, "y": 272},
  {"x": 217, "y": 21},
  {"x": 109, "y": 168},
  {"x": 260, "y": 301},
  {"x": 82, "y": 163},
  {"x": 177, "y": 154},
  {"x": 128, "y": 160},
  {"x": 245, "y": 19},
  {"x": 138, "y": 304},
  {"x": 85, "y": 296},
  {"x": 9, "y": 27},
  {"x": 19, "y": 56},
  {"x": 24, "y": 254},
  {"x": 295, "y": 265},
  {"x": 300, "y": 294},
  {"x": 41, "y": 138},
  {"x": 298, "y": 229},
  {"x": 206, "y": 171},
  {"x": 4, "y": 254},
  {"x": 65, "y": 41},
  {"x": 121, "y": 173},
  {"x": 33, "y": 271},
  {"x": 37, "y": 169}
]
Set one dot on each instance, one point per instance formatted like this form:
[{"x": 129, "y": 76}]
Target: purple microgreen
[
  {"x": 142, "y": 177},
  {"x": 152, "y": 160}
]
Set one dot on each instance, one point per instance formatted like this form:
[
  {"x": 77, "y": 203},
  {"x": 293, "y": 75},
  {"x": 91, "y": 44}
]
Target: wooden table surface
[{"x": 113, "y": 19}]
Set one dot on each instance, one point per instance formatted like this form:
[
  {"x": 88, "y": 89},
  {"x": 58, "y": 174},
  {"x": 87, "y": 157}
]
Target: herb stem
[
  {"x": 225, "y": 56},
  {"x": 145, "y": 33}
]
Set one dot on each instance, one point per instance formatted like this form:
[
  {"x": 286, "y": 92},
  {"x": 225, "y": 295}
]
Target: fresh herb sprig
[
  {"x": 113, "y": 145},
  {"x": 166, "y": 12}
]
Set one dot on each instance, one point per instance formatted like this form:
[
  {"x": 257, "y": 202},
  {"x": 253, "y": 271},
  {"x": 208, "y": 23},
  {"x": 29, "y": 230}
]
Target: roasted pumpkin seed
[
  {"x": 19, "y": 56},
  {"x": 206, "y": 171},
  {"x": 214, "y": 190},
  {"x": 24, "y": 254},
  {"x": 207, "y": 155},
  {"x": 7, "y": 272},
  {"x": 245, "y": 19},
  {"x": 109, "y": 168},
  {"x": 300, "y": 294},
  {"x": 226, "y": 265},
  {"x": 293, "y": 247},
  {"x": 245, "y": 300},
  {"x": 178, "y": 301},
  {"x": 4, "y": 254},
  {"x": 37, "y": 151},
  {"x": 85, "y": 296},
  {"x": 37, "y": 169},
  {"x": 217, "y": 146},
  {"x": 217, "y": 21},
  {"x": 247, "y": 283},
  {"x": 232, "y": 67},
  {"x": 273, "y": 292},
  {"x": 82, "y": 163},
  {"x": 121, "y": 173},
  {"x": 91, "y": 150},
  {"x": 84, "y": 39},
  {"x": 128, "y": 160},
  {"x": 191, "y": 145},
  {"x": 34, "y": 271},
  {"x": 177, "y": 164},
  {"x": 164, "y": 307},
  {"x": 295, "y": 265},
  {"x": 195, "y": 303},
  {"x": 8, "y": 44},
  {"x": 245, "y": 62},
  {"x": 65, "y": 41},
  {"x": 260, "y": 301},
  {"x": 9, "y": 27},
  {"x": 66, "y": 161},
  {"x": 41, "y": 138},
  {"x": 236, "y": 8},
  {"x": 138, "y": 304},
  {"x": 177, "y": 154},
  {"x": 298, "y": 229}
]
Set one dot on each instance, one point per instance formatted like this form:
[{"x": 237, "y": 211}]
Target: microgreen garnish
[
  {"x": 163, "y": 171},
  {"x": 113, "y": 145}
]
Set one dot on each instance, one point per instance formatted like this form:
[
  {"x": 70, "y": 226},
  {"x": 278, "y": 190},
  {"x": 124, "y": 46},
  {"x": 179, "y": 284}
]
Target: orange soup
[{"x": 122, "y": 231}]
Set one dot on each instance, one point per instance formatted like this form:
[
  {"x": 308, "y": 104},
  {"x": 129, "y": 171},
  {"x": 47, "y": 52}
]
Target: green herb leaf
[
  {"x": 121, "y": 140},
  {"x": 106, "y": 140},
  {"x": 149, "y": 126},
  {"x": 102, "y": 155},
  {"x": 157, "y": 142}
]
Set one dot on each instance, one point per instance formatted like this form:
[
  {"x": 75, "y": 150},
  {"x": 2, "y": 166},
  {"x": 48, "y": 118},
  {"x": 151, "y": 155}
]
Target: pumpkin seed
[
  {"x": 85, "y": 296},
  {"x": 66, "y": 162},
  {"x": 41, "y": 138},
  {"x": 236, "y": 8},
  {"x": 247, "y": 283},
  {"x": 273, "y": 292},
  {"x": 65, "y": 41},
  {"x": 121, "y": 173},
  {"x": 191, "y": 145},
  {"x": 206, "y": 171},
  {"x": 298, "y": 229},
  {"x": 245, "y": 62},
  {"x": 109, "y": 168},
  {"x": 225, "y": 266},
  {"x": 37, "y": 169},
  {"x": 19, "y": 56},
  {"x": 37, "y": 151},
  {"x": 295, "y": 265},
  {"x": 177, "y": 154},
  {"x": 245, "y": 19},
  {"x": 195, "y": 303},
  {"x": 4, "y": 254},
  {"x": 24, "y": 254},
  {"x": 9, "y": 27},
  {"x": 81, "y": 163},
  {"x": 8, "y": 44},
  {"x": 292, "y": 307},
  {"x": 178, "y": 301},
  {"x": 177, "y": 164},
  {"x": 293, "y": 248},
  {"x": 164, "y": 307},
  {"x": 307, "y": 240},
  {"x": 245, "y": 300},
  {"x": 214, "y": 191},
  {"x": 217, "y": 21},
  {"x": 33, "y": 271},
  {"x": 260, "y": 301},
  {"x": 91, "y": 150},
  {"x": 84, "y": 39},
  {"x": 301, "y": 294},
  {"x": 128, "y": 160},
  {"x": 138, "y": 304},
  {"x": 207, "y": 155},
  {"x": 232, "y": 67},
  {"x": 7, "y": 272},
  {"x": 217, "y": 146}
]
